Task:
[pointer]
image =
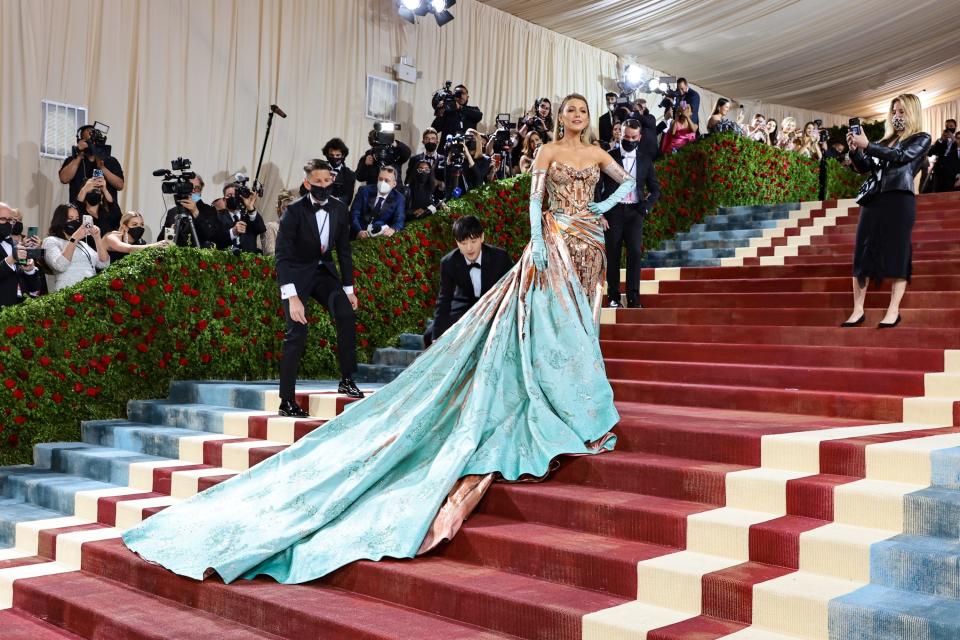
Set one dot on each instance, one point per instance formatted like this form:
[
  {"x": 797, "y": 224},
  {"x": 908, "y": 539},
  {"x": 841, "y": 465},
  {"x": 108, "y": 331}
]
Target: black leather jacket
[{"x": 896, "y": 165}]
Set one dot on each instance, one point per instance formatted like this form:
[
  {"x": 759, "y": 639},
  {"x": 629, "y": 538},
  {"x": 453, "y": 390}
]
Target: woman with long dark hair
[
  {"x": 66, "y": 252},
  {"x": 887, "y": 206}
]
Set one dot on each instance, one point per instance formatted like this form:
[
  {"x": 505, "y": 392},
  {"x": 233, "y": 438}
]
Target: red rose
[
  {"x": 93, "y": 391},
  {"x": 134, "y": 300},
  {"x": 78, "y": 297},
  {"x": 14, "y": 330},
  {"x": 70, "y": 311},
  {"x": 27, "y": 353},
  {"x": 18, "y": 394},
  {"x": 202, "y": 325},
  {"x": 38, "y": 391},
  {"x": 77, "y": 388},
  {"x": 205, "y": 358},
  {"x": 45, "y": 361},
  {"x": 116, "y": 284},
  {"x": 117, "y": 318},
  {"x": 13, "y": 439},
  {"x": 9, "y": 384},
  {"x": 142, "y": 348},
  {"x": 56, "y": 397}
]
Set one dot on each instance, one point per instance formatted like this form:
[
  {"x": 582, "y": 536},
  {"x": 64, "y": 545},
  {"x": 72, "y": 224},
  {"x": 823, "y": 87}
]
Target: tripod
[{"x": 183, "y": 222}]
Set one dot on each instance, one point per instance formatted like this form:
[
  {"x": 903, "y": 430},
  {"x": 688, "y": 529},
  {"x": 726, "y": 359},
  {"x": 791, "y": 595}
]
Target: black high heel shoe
[
  {"x": 889, "y": 325},
  {"x": 855, "y": 323}
]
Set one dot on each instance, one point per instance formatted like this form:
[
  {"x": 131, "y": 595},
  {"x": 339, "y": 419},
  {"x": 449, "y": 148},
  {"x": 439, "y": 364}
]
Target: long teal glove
[
  {"x": 600, "y": 208},
  {"x": 538, "y": 249}
]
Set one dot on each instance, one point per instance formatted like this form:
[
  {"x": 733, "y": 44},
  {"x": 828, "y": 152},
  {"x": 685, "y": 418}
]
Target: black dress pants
[
  {"x": 626, "y": 228},
  {"x": 328, "y": 291}
]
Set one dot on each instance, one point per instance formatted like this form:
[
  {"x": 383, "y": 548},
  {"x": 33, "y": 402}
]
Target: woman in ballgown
[{"x": 517, "y": 382}]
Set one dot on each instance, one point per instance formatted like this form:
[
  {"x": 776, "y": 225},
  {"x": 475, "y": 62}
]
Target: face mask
[
  {"x": 17, "y": 228},
  {"x": 384, "y": 187},
  {"x": 93, "y": 198},
  {"x": 629, "y": 145},
  {"x": 195, "y": 197},
  {"x": 612, "y": 107},
  {"x": 336, "y": 163},
  {"x": 472, "y": 145},
  {"x": 899, "y": 123},
  {"x": 5, "y": 229},
  {"x": 71, "y": 226},
  {"x": 232, "y": 202},
  {"x": 423, "y": 176},
  {"x": 430, "y": 146},
  {"x": 135, "y": 233},
  {"x": 319, "y": 193}
]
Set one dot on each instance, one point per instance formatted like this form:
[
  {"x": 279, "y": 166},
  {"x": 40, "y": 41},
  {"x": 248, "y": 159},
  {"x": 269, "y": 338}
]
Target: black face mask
[
  {"x": 472, "y": 145},
  {"x": 93, "y": 198},
  {"x": 319, "y": 193},
  {"x": 422, "y": 177},
  {"x": 629, "y": 145},
  {"x": 135, "y": 233},
  {"x": 336, "y": 163},
  {"x": 430, "y": 146},
  {"x": 5, "y": 229},
  {"x": 71, "y": 226},
  {"x": 232, "y": 202},
  {"x": 17, "y": 228}
]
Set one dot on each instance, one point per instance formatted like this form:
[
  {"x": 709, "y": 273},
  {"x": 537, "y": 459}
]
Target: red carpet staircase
[{"x": 762, "y": 451}]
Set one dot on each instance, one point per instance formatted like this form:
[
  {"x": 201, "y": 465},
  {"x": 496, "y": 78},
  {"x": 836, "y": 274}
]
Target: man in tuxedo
[
  {"x": 241, "y": 221},
  {"x": 344, "y": 179},
  {"x": 310, "y": 229},
  {"x": 626, "y": 219},
  {"x": 210, "y": 233},
  {"x": 431, "y": 141},
  {"x": 946, "y": 151},
  {"x": 17, "y": 282},
  {"x": 466, "y": 273},
  {"x": 687, "y": 96},
  {"x": 606, "y": 120},
  {"x": 378, "y": 209}
]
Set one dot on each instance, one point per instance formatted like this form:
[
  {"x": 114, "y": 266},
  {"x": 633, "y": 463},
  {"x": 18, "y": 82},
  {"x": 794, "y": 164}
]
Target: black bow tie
[
  {"x": 474, "y": 265},
  {"x": 317, "y": 205}
]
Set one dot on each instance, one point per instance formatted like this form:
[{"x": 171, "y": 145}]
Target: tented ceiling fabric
[{"x": 838, "y": 56}]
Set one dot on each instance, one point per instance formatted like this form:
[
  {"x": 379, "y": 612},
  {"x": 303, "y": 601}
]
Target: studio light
[
  {"x": 410, "y": 9},
  {"x": 440, "y": 11},
  {"x": 411, "y": 5},
  {"x": 632, "y": 76},
  {"x": 654, "y": 84},
  {"x": 438, "y": 6}
]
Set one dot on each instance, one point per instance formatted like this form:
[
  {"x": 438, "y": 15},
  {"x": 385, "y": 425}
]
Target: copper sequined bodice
[{"x": 571, "y": 189}]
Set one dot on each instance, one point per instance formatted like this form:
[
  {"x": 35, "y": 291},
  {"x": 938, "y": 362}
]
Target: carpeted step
[
  {"x": 823, "y": 378},
  {"x": 367, "y": 373},
  {"x": 728, "y": 593},
  {"x": 47, "y": 489},
  {"x": 904, "y": 336},
  {"x": 876, "y": 612},
  {"x": 934, "y": 511},
  {"x": 788, "y": 355},
  {"x": 919, "y": 564},
  {"x": 15, "y": 510},
  {"x": 395, "y": 357},
  {"x": 837, "y": 284},
  {"x": 817, "y": 269},
  {"x": 412, "y": 341},
  {"x": 887, "y": 408},
  {"x": 701, "y": 627},
  {"x": 18, "y": 625},
  {"x": 817, "y": 317},
  {"x": 696, "y": 234},
  {"x": 804, "y": 300}
]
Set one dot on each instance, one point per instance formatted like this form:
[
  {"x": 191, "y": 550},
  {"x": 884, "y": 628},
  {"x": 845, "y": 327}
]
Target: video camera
[
  {"x": 381, "y": 142},
  {"x": 176, "y": 180},
  {"x": 243, "y": 191},
  {"x": 445, "y": 99},
  {"x": 456, "y": 156},
  {"x": 97, "y": 142},
  {"x": 824, "y": 133},
  {"x": 502, "y": 138}
]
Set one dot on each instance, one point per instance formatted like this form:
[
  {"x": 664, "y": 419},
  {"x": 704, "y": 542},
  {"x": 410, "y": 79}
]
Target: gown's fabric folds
[{"x": 518, "y": 381}]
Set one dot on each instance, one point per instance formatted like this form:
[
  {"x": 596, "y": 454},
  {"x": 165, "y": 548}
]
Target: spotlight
[
  {"x": 438, "y": 6},
  {"x": 664, "y": 86},
  {"x": 410, "y": 5},
  {"x": 440, "y": 11},
  {"x": 654, "y": 84},
  {"x": 410, "y": 9},
  {"x": 632, "y": 76}
]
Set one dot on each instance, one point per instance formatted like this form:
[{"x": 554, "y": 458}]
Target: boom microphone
[
  {"x": 160, "y": 172},
  {"x": 277, "y": 110}
]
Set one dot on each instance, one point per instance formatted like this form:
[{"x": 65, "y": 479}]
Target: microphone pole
[{"x": 274, "y": 109}]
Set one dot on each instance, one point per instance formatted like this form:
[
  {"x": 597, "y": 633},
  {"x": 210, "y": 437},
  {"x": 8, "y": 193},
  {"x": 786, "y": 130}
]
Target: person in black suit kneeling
[
  {"x": 466, "y": 273},
  {"x": 310, "y": 230}
]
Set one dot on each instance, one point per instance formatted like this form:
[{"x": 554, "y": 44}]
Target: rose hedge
[{"x": 83, "y": 352}]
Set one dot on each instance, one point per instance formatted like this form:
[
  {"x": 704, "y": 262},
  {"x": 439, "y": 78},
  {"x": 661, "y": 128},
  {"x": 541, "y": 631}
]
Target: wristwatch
[{"x": 73, "y": 240}]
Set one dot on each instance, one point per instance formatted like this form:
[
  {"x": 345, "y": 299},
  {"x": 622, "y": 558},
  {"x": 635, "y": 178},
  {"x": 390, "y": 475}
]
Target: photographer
[
  {"x": 531, "y": 145},
  {"x": 210, "y": 234},
  {"x": 453, "y": 116},
  {"x": 378, "y": 156},
  {"x": 502, "y": 147},
  {"x": 465, "y": 167},
  {"x": 19, "y": 277},
  {"x": 91, "y": 152},
  {"x": 344, "y": 179},
  {"x": 240, "y": 218},
  {"x": 128, "y": 238},
  {"x": 685, "y": 96},
  {"x": 606, "y": 120},
  {"x": 538, "y": 119},
  {"x": 424, "y": 195},
  {"x": 431, "y": 142},
  {"x": 378, "y": 210},
  {"x": 95, "y": 200},
  {"x": 65, "y": 251},
  {"x": 948, "y": 164}
]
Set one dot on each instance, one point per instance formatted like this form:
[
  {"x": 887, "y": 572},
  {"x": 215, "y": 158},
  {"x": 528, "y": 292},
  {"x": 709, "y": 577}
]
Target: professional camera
[
  {"x": 456, "y": 157},
  {"x": 176, "y": 182},
  {"x": 445, "y": 99},
  {"x": 502, "y": 137},
  {"x": 97, "y": 142},
  {"x": 381, "y": 143},
  {"x": 243, "y": 191}
]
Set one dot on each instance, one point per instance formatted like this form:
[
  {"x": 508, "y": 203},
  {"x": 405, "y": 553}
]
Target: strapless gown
[{"x": 517, "y": 382}]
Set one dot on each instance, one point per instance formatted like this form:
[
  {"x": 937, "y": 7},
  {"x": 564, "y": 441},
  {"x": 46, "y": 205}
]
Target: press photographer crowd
[{"x": 90, "y": 231}]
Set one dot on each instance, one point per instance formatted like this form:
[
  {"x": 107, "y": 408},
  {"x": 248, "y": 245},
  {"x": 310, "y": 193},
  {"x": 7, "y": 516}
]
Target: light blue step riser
[
  {"x": 691, "y": 245},
  {"x": 146, "y": 439},
  {"x": 709, "y": 227},
  {"x": 395, "y": 357},
  {"x": 934, "y": 512},
  {"x": 878, "y": 613},
  {"x": 98, "y": 463},
  {"x": 919, "y": 564},
  {"x": 735, "y": 234},
  {"x": 232, "y": 394},
  {"x": 946, "y": 468},
  {"x": 367, "y": 373},
  {"x": 412, "y": 341},
  {"x": 693, "y": 254},
  {"x": 197, "y": 417},
  {"x": 49, "y": 490},
  {"x": 14, "y": 511}
]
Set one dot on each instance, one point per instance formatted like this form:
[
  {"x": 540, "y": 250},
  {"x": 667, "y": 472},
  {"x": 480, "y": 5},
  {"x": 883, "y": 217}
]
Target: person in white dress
[{"x": 67, "y": 252}]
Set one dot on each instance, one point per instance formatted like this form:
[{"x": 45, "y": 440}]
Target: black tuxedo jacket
[
  {"x": 606, "y": 127},
  {"x": 299, "y": 249},
  {"x": 10, "y": 279},
  {"x": 209, "y": 231},
  {"x": 456, "y": 287},
  {"x": 248, "y": 241},
  {"x": 646, "y": 177}
]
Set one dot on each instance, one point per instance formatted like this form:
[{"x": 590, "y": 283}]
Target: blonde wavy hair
[
  {"x": 913, "y": 112},
  {"x": 789, "y": 121},
  {"x": 586, "y": 136}
]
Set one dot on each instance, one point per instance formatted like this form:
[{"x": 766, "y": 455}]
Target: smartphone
[
  {"x": 33, "y": 232},
  {"x": 168, "y": 233},
  {"x": 87, "y": 221},
  {"x": 854, "y": 126},
  {"x": 97, "y": 173}
]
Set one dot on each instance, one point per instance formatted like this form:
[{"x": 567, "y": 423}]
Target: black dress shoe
[
  {"x": 290, "y": 409},
  {"x": 855, "y": 323},
  {"x": 349, "y": 388},
  {"x": 889, "y": 325},
  {"x": 634, "y": 305}
]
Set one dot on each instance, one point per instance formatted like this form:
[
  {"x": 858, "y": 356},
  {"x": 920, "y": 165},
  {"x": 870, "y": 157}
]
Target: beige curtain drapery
[{"x": 194, "y": 78}]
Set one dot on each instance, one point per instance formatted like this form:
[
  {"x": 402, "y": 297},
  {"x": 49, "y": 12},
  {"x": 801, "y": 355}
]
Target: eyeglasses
[
  {"x": 197, "y": 189},
  {"x": 2, "y": 220}
]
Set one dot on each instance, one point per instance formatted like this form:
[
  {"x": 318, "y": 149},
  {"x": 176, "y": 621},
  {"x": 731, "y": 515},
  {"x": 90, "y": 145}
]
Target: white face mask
[
  {"x": 384, "y": 187},
  {"x": 899, "y": 123}
]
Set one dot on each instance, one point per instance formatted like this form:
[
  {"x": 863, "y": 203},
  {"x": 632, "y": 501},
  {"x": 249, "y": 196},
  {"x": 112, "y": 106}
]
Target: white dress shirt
[
  {"x": 475, "y": 275},
  {"x": 323, "y": 226},
  {"x": 630, "y": 166}
]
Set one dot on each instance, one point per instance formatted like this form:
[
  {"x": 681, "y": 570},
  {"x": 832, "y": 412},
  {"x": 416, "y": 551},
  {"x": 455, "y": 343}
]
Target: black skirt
[{"x": 883, "y": 248}]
